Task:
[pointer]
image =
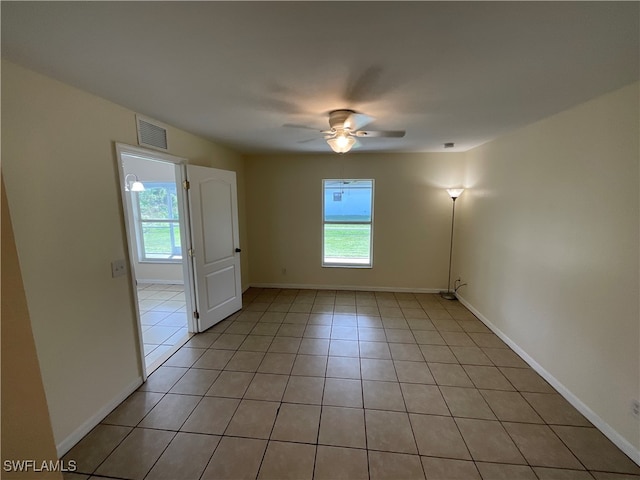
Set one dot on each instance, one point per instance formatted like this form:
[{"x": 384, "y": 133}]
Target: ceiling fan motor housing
[{"x": 340, "y": 119}]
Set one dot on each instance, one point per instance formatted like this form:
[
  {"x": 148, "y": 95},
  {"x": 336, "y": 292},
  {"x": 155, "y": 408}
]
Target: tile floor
[
  {"x": 163, "y": 317},
  {"x": 354, "y": 385}
]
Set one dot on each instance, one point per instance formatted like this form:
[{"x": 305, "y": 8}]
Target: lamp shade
[
  {"x": 137, "y": 187},
  {"x": 132, "y": 183},
  {"x": 341, "y": 143},
  {"x": 455, "y": 192}
]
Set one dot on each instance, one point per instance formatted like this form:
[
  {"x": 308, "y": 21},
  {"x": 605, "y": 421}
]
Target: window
[
  {"x": 347, "y": 218},
  {"x": 158, "y": 223}
]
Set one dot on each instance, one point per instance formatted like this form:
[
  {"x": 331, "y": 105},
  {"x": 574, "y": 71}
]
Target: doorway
[
  {"x": 182, "y": 231},
  {"x": 155, "y": 220}
]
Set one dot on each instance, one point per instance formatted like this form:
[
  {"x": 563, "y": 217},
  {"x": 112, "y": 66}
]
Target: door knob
[{"x": 238, "y": 250}]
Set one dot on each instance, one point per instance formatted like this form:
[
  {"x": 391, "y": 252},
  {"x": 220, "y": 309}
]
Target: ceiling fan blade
[
  {"x": 356, "y": 121},
  {"x": 380, "y": 133},
  {"x": 307, "y": 140}
]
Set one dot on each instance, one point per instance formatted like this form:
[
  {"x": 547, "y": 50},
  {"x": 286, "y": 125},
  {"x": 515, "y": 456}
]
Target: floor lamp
[{"x": 454, "y": 193}]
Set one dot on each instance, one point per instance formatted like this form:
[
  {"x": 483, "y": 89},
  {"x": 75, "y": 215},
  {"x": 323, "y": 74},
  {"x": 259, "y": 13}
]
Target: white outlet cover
[{"x": 118, "y": 268}]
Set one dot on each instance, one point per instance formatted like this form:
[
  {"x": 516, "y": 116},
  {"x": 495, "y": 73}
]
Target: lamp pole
[{"x": 454, "y": 193}]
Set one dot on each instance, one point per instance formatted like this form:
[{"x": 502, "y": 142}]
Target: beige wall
[
  {"x": 411, "y": 218},
  {"x": 547, "y": 239},
  {"x": 26, "y": 426},
  {"x": 548, "y": 243},
  {"x": 58, "y": 159}
]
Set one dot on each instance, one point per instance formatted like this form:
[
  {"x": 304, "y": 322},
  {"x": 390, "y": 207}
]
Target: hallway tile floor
[
  {"x": 163, "y": 317},
  {"x": 354, "y": 385}
]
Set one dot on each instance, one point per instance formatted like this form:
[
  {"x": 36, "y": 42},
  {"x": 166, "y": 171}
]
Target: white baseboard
[
  {"x": 359, "y": 288},
  {"x": 145, "y": 281},
  {"x": 67, "y": 444},
  {"x": 621, "y": 442}
]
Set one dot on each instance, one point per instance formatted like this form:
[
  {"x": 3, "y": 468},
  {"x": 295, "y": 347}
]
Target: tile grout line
[{"x": 298, "y": 353}]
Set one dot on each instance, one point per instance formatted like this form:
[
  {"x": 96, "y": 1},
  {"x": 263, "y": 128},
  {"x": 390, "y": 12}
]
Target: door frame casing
[{"x": 185, "y": 236}]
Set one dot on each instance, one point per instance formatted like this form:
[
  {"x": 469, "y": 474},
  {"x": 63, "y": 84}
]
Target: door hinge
[
  {"x": 186, "y": 184},
  {"x": 190, "y": 252},
  {"x": 196, "y": 315}
]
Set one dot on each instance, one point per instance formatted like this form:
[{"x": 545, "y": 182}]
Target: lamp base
[{"x": 448, "y": 295}]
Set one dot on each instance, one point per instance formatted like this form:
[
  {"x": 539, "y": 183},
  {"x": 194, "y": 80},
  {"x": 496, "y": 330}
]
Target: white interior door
[{"x": 213, "y": 208}]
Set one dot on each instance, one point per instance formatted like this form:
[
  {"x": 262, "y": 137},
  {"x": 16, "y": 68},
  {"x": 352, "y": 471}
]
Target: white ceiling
[{"x": 236, "y": 72}]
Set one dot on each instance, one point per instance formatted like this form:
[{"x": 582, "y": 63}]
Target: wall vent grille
[{"x": 151, "y": 134}]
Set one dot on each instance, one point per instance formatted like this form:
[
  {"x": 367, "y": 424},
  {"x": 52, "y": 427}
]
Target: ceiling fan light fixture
[{"x": 341, "y": 142}]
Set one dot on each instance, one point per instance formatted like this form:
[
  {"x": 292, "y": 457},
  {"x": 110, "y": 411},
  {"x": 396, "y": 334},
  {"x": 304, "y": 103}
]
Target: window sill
[
  {"x": 161, "y": 260},
  {"x": 347, "y": 265}
]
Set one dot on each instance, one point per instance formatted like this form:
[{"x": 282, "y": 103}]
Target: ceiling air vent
[{"x": 151, "y": 133}]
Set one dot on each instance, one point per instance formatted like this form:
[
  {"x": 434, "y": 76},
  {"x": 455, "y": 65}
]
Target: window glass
[
  {"x": 347, "y": 223},
  {"x": 158, "y": 222},
  {"x": 347, "y": 200}
]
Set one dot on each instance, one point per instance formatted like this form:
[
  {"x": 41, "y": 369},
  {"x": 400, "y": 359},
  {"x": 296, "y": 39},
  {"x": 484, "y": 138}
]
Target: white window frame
[
  {"x": 139, "y": 224},
  {"x": 370, "y": 223}
]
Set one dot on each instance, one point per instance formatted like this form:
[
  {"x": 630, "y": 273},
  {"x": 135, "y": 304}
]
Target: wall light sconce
[
  {"x": 454, "y": 193},
  {"x": 132, "y": 185}
]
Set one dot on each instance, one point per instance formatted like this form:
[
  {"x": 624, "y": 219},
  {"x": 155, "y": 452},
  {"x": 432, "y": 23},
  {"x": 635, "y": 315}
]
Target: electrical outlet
[
  {"x": 118, "y": 268},
  {"x": 458, "y": 284},
  {"x": 635, "y": 408}
]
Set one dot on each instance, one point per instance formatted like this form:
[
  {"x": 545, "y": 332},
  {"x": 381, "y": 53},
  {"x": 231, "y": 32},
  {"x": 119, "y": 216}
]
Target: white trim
[
  {"x": 145, "y": 153},
  {"x": 361, "y": 288},
  {"x": 122, "y": 149},
  {"x": 149, "y": 281},
  {"x": 368, "y": 264},
  {"x": 347, "y": 265},
  {"x": 79, "y": 433},
  {"x": 180, "y": 176},
  {"x": 161, "y": 261},
  {"x": 621, "y": 442}
]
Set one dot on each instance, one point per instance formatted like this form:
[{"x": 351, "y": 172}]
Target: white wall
[
  {"x": 547, "y": 239},
  {"x": 411, "y": 219},
  {"x": 60, "y": 171}
]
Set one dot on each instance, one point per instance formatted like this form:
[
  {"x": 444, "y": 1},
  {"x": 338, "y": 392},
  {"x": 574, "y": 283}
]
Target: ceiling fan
[{"x": 345, "y": 128}]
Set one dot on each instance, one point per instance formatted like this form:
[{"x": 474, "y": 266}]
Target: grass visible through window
[
  {"x": 159, "y": 241},
  {"x": 347, "y": 241}
]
